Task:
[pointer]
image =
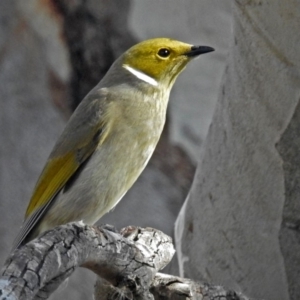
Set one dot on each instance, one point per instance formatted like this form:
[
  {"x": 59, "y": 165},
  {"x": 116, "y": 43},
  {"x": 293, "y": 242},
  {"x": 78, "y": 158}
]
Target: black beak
[{"x": 198, "y": 50}]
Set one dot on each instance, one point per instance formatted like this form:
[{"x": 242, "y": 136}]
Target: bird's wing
[
  {"x": 84, "y": 132},
  {"x": 60, "y": 168}
]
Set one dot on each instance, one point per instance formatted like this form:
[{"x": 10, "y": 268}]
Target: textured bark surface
[
  {"x": 239, "y": 225},
  {"x": 126, "y": 264},
  {"x": 171, "y": 287},
  {"x": 38, "y": 268}
]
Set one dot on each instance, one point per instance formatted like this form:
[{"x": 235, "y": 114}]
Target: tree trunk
[{"x": 239, "y": 226}]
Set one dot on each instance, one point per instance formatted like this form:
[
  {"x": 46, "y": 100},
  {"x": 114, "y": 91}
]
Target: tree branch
[
  {"x": 175, "y": 288},
  {"x": 40, "y": 266},
  {"x": 127, "y": 263}
]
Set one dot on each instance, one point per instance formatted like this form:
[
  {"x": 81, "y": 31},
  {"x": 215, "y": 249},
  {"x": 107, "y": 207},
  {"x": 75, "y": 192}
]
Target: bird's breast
[
  {"x": 133, "y": 135},
  {"x": 132, "y": 132}
]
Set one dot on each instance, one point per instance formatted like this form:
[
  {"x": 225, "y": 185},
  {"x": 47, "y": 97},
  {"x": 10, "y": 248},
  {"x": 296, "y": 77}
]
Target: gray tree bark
[
  {"x": 240, "y": 223},
  {"x": 126, "y": 264}
]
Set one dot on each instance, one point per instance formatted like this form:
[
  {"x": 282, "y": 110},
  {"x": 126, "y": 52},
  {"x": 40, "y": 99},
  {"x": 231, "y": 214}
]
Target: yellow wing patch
[
  {"x": 55, "y": 175},
  {"x": 58, "y": 170}
]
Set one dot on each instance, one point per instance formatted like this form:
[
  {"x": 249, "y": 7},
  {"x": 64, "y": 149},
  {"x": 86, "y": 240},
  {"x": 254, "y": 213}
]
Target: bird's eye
[{"x": 163, "y": 52}]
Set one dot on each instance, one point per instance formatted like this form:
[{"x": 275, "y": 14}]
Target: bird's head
[{"x": 160, "y": 60}]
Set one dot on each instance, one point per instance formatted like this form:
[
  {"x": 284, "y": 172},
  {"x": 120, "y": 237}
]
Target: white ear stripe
[{"x": 141, "y": 75}]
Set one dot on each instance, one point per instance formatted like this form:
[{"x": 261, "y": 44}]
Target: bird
[{"x": 109, "y": 138}]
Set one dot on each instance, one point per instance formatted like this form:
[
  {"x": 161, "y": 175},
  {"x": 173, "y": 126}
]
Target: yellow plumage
[
  {"x": 109, "y": 139},
  {"x": 54, "y": 176}
]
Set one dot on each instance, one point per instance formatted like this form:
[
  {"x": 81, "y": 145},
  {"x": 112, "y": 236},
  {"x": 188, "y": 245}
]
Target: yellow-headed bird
[{"x": 109, "y": 139}]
